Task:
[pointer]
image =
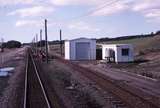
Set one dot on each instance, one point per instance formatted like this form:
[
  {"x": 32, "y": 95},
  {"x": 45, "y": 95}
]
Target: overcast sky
[{"x": 22, "y": 19}]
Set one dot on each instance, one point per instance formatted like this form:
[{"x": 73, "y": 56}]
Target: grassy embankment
[{"x": 140, "y": 44}]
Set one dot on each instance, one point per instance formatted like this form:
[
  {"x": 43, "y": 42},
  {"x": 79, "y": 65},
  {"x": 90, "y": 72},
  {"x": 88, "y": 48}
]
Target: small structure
[
  {"x": 80, "y": 49},
  {"x": 118, "y": 52},
  {"x": 4, "y": 72}
]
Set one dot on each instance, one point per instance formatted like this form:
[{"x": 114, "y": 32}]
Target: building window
[{"x": 125, "y": 52}]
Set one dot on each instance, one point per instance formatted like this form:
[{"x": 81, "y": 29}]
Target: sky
[{"x": 22, "y": 19}]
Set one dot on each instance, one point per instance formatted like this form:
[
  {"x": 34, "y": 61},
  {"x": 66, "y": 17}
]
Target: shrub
[{"x": 12, "y": 44}]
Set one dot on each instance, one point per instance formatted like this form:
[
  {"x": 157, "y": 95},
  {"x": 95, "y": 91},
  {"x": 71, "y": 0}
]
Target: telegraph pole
[
  {"x": 2, "y": 47},
  {"x": 37, "y": 44},
  {"x": 46, "y": 41},
  {"x": 2, "y": 50},
  {"x": 61, "y": 41},
  {"x": 41, "y": 39},
  {"x": 34, "y": 44}
]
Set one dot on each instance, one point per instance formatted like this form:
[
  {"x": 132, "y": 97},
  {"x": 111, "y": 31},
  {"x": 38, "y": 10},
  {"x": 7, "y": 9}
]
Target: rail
[
  {"x": 26, "y": 93},
  {"x": 121, "y": 91}
]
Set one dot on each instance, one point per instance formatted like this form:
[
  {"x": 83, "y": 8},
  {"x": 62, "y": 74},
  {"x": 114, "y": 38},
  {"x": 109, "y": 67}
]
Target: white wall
[
  {"x": 67, "y": 50},
  {"x": 72, "y": 47},
  {"x": 104, "y": 47},
  {"x": 118, "y": 52},
  {"x": 128, "y": 58}
]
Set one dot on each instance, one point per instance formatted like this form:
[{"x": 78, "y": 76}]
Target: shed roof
[
  {"x": 115, "y": 44},
  {"x": 81, "y": 38}
]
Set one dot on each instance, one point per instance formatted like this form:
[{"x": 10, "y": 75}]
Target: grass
[
  {"x": 62, "y": 78},
  {"x": 140, "y": 44},
  {"x": 3, "y": 84}
]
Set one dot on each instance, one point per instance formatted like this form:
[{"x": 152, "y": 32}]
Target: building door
[
  {"x": 110, "y": 55},
  {"x": 83, "y": 51}
]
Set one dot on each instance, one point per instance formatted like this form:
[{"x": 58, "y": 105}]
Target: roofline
[
  {"x": 114, "y": 44},
  {"x": 81, "y": 38}
]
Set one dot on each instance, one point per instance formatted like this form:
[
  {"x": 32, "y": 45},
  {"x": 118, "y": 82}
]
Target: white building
[
  {"x": 118, "y": 52},
  {"x": 80, "y": 49}
]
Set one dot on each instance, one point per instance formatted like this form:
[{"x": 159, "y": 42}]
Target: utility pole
[
  {"x": 2, "y": 50},
  {"x": 2, "y": 47},
  {"x": 37, "y": 44},
  {"x": 46, "y": 41},
  {"x": 61, "y": 41},
  {"x": 33, "y": 44},
  {"x": 41, "y": 39}
]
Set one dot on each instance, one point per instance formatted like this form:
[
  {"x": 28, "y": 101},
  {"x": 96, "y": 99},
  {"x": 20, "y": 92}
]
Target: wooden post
[
  {"x": 46, "y": 41},
  {"x": 41, "y": 39},
  {"x": 36, "y": 44},
  {"x": 33, "y": 43},
  {"x": 2, "y": 47},
  {"x": 61, "y": 42},
  {"x": 2, "y": 50}
]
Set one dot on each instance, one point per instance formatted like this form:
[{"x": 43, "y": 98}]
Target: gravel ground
[
  {"x": 146, "y": 85},
  {"x": 12, "y": 95},
  {"x": 145, "y": 65},
  {"x": 75, "y": 90},
  {"x": 3, "y": 83}
]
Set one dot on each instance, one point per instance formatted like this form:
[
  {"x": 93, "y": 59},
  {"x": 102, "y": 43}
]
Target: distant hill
[
  {"x": 127, "y": 37},
  {"x": 142, "y": 43}
]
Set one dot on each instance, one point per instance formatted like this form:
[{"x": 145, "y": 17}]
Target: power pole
[
  {"x": 33, "y": 44},
  {"x": 41, "y": 39},
  {"x": 46, "y": 41},
  {"x": 2, "y": 50},
  {"x": 37, "y": 44},
  {"x": 61, "y": 41},
  {"x": 2, "y": 47}
]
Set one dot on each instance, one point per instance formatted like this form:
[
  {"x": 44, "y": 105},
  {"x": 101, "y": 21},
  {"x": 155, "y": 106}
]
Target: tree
[
  {"x": 158, "y": 32},
  {"x": 13, "y": 44},
  {"x": 42, "y": 42}
]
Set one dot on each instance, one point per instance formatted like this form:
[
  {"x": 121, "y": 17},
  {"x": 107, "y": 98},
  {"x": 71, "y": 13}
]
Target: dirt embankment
[
  {"x": 75, "y": 90},
  {"x": 12, "y": 93}
]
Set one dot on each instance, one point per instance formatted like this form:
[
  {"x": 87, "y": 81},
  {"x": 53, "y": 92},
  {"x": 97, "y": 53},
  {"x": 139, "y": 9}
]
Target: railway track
[
  {"x": 125, "y": 94},
  {"x": 35, "y": 95}
]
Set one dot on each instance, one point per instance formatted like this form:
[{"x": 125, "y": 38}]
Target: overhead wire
[{"x": 98, "y": 8}]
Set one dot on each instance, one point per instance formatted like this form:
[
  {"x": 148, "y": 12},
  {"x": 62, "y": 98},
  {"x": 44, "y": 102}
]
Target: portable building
[
  {"x": 80, "y": 49},
  {"x": 118, "y": 52}
]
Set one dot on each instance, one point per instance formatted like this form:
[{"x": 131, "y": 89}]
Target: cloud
[
  {"x": 99, "y": 7},
  {"x": 32, "y": 11},
  {"x": 143, "y": 5},
  {"x": 77, "y": 2},
  {"x": 15, "y": 2},
  {"x": 22, "y": 23},
  {"x": 153, "y": 13},
  {"x": 35, "y": 23},
  {"x": 149, "y": 9},
  {"x": 112, "y": 9},
  {"x": 83, "y": 26}
]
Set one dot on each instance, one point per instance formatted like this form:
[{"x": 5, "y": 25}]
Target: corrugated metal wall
[{"x": 83, "y": 50}]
